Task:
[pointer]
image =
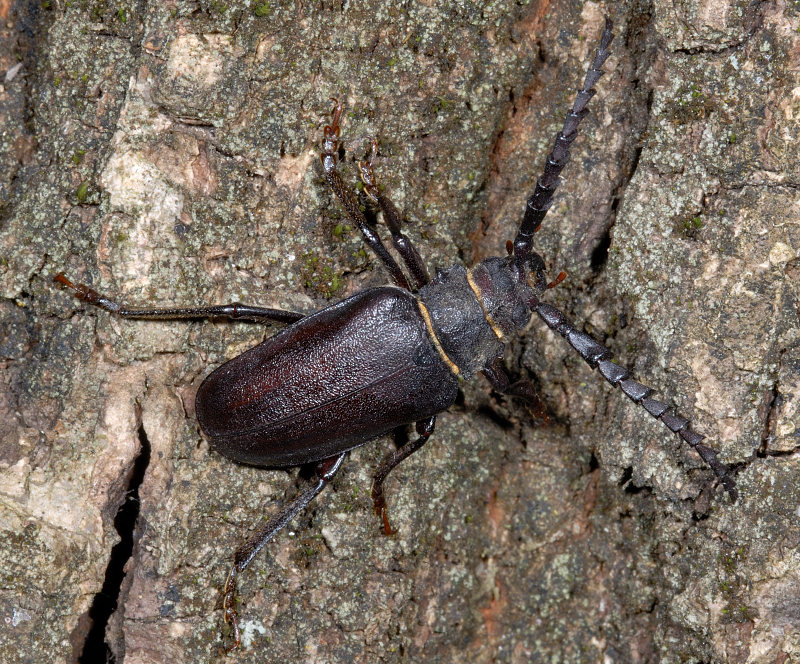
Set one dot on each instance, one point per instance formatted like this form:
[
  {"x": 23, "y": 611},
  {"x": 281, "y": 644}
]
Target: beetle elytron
[{"x": 389, "y": 356}]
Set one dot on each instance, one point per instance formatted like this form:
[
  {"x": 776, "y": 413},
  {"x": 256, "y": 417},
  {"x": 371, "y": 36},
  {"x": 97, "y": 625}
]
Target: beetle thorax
[{"x": 471, "y": 312}]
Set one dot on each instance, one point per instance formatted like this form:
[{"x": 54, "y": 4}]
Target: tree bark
[{"x": 167, "y": 154}]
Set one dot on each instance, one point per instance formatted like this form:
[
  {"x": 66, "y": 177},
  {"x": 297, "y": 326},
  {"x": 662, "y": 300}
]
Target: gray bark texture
[{"x": 166, "y": 153}]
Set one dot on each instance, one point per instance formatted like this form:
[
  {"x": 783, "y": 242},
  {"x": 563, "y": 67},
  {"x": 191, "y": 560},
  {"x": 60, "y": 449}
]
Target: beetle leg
[
  {"x": 392, "y": 217},
  {"x": 329, "y": 157},
  {"x": 326, "y": 470},
  {"x": 524, "y": 390},
  {"x": 424, "y": 429},
  {"x": 521, "y": 389},
  {"x": 234, "y": 311},
  {"x": 596, "y": 355},
  {"x": 496, "y": 375}
]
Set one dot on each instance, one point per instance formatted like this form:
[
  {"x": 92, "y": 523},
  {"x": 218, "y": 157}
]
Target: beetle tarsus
[
  {"x": 379, "y": 505},
  {"x": 521, "y": 389},
  {"x": 326, "y": 470},
  {"x": 89, "y": 295},
  {"x": 330, "y": 137},
  {"x": 561, "y": 276},
  {"x": 393, "y": 218},
  {"x": 526, "y": 392},
  {"x": 229, "y": 607}
]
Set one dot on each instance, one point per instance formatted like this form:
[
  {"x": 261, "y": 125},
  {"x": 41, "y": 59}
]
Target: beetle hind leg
[
  {"x": 326, "y": 471},
  {"x": 424, "y": 429}
]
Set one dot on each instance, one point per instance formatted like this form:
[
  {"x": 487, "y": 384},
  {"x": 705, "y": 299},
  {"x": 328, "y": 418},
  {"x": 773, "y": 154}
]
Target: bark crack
[{"x": 97, "y": 646}]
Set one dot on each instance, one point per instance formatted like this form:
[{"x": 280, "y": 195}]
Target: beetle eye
[{"x": 521, "y": 315}]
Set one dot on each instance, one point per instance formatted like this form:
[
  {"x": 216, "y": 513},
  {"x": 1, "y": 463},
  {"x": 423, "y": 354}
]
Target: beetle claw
[
  {"x": 230, "y": 614},
  {"x": 381, "y": 510},
  {"x": 387, "y": 527}
]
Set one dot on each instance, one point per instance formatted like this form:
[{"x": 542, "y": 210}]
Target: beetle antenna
[
  {"x": 542, "y": 197},
  {"x": 596, "y": 356}
]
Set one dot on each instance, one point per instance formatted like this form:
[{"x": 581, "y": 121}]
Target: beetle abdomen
[{"x": 327, "y": 383}]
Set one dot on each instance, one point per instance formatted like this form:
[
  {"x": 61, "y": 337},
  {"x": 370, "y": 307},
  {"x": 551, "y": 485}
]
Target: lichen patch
[{"x": 200, "y": 62}]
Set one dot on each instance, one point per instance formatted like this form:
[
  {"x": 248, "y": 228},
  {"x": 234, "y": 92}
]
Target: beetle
[{"x": 390, "y": 356}]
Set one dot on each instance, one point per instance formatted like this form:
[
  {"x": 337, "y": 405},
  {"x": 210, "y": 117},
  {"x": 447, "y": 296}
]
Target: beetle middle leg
[
  {"x": 233, "y": 311},
  {"x": 326, "y": 470},
  {"x": 424, "y": 429}
]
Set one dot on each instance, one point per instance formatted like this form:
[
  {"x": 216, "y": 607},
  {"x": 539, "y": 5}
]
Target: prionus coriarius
[{"x": 391, "y": 356}]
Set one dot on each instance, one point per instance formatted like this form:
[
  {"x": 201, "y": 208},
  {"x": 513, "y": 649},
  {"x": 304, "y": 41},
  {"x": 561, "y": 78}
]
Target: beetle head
[{"x": 509, "y": 289}]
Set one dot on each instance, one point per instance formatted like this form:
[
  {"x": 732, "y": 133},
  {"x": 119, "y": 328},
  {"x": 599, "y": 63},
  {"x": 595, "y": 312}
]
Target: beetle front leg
[
  {"x": 521, "y": 389},
  {"x": 326, "y": 470},
  {"x": 330, "y": 157},
  {"x": 424, "y": 429},
  {"x": 392, "y": 217}
]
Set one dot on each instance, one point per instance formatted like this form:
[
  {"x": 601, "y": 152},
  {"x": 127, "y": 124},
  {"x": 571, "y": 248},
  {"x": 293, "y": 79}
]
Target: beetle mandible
[{"x": 391, "y": 356}]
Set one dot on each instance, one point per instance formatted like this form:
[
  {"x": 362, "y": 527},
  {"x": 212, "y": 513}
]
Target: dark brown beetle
[{"x": 390, "y": 356}]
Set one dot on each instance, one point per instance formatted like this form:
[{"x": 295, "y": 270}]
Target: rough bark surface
[{"x": 167, "y": 153}]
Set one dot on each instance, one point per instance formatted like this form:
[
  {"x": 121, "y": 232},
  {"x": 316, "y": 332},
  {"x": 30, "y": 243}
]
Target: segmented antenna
[
  {"x": 542, "y": 197},
  {"x": 596, "y": 356}
]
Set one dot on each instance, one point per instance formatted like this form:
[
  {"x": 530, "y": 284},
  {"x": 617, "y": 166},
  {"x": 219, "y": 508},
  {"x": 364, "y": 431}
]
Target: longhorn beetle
[{"x": 390, "y": 356}]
